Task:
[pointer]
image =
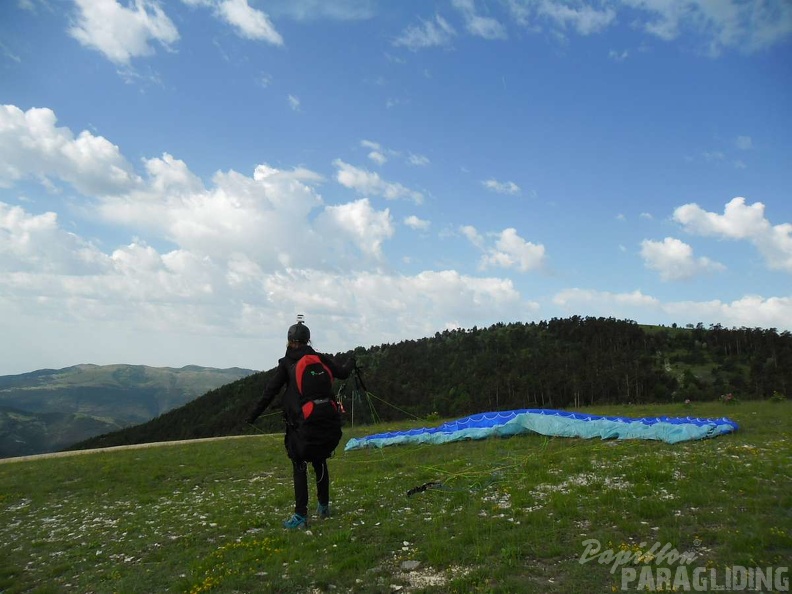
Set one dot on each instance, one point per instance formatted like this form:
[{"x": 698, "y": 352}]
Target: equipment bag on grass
[{"x": 318, "y": 428}]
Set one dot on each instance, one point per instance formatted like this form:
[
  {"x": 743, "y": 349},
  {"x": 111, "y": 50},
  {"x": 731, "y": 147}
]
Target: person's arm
[
  {"x": 339, "y": 371},
  {"x": 271, "y": 390}
]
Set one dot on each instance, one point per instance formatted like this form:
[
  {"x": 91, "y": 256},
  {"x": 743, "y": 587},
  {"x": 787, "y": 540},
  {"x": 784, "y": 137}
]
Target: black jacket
[{"x": 291, "y": 398}]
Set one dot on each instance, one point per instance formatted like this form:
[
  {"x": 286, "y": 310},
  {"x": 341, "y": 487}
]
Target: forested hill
[
  {"x": 48, "y": 409},
  {"x": 561, "y": 363}
]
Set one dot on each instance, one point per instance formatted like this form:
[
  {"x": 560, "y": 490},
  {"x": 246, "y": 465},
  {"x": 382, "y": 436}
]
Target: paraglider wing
[{"x": 552, "y": 423}]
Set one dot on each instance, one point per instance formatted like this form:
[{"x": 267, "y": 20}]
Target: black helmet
[{"x": 299, "y": 333}]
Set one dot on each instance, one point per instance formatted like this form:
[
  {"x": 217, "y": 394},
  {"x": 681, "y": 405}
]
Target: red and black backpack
[{"x": 318, "y": 428}]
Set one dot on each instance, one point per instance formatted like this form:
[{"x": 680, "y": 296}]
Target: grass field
[{"x": 511, "y": 515}]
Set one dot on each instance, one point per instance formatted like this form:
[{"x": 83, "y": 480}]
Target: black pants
[
  {"x": 300, "y": 474},
  {"x": 301, "y": 485}
]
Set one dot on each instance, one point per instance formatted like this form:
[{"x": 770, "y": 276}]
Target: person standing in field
[{"x": 311, "y": 413}]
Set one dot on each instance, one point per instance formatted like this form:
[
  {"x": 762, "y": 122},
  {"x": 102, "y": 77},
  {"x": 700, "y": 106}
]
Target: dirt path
[{"x": 126, "y": 447}]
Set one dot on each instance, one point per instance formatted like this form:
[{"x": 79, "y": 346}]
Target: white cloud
[
  {"x": 388, "y": 307},
  {"x": 171, "y": 177},
  {"x": 502, "y": 187},
  {"x": 381, "y": 154},
  {"x": 32, "y": 146},
  {"x": 602, "y": 301},
  {"x": 259, "y": 216},
  {"x": 294, "y": 102},
  {"x": 437, "y": 33},
  {"x": 249, "y": 22},
  {"x": 742, "y": 222},
  {"x": 472, "y": 235},
  {"x": 748, "y": 26},
  {"x": 583, "y": 19},
  {"x": 36, "y": 242},
  {"x": 244, "y": 248},
  {"x": 674, "y": 259},
  {"x": 509, "y": 250},
  {"x": 417, "y": 224},
  {"x": 371, "y": 184},
  {"x": 750, "y": 311},
  {"x": 485, "y": 27},
  {"x": 364, "y": 226},
  {"x": 376, "y": 154},
  {"x": 203, "y": 306},
  {"x": 512, "y": 251},
  {"x": 122, "y": 33},
  {"x": 738, "y": 221},
  {"x": 720, "y": 24},
  {"x": 378, "y": 157}
]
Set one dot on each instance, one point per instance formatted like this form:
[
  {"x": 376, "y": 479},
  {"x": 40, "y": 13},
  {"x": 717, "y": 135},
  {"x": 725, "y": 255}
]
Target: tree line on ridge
[{"x": 560, "y": 363}]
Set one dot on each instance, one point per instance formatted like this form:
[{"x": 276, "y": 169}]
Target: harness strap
[{"x": 308, "y": 407}]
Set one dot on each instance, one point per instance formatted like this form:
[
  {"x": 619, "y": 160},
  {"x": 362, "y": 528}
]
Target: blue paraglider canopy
[{"x": 553, "y": 423}]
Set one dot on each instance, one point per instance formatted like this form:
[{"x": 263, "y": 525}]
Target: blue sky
[{"x": 180, "y": 179}]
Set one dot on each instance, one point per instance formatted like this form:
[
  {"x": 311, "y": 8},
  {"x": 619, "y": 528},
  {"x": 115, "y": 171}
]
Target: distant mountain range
[{"x": 50, "y": 409}]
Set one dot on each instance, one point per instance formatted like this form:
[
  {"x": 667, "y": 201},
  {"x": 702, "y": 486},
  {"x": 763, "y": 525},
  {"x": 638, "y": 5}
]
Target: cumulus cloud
[
  {"x": 36, "y": 242},
  {"x": 205, "y": 305},
  {"x": 393, "y": 307},
  {"x": 740, "y": 221},
  {"x": 417, "y": 224},
  {"x": 227, "y": 257},
  {"x": 752, "y": 311},
  {"x": 512, "y": 251},
  {"x": 32, "y": 146},
  {"x": 574, "y": 298},
  {"x": 508, "y": 250},
  {"x": 122, "y": 33},
  {"x": 434, "y": 33},
  {"x": 674, "y": 259},
  {"x": 364, "y": 226},
  {"x": 371, "y": 184},
  {"x": 260, "y": 216}
]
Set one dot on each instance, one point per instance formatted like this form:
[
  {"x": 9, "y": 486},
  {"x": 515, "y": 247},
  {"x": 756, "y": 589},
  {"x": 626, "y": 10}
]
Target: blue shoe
[
  {"x": 296, "y": 521},
  {"x": 323, "y": 511}
]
